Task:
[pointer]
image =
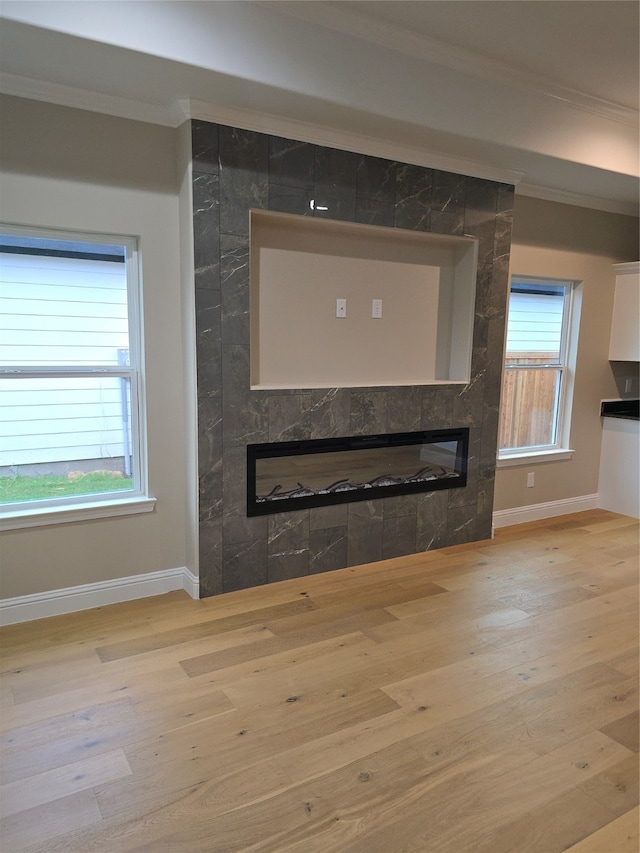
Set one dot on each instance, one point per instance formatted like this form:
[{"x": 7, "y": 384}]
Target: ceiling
[
  {"x": 590, "y": 47},
  {"x": 541, "y": 94}
]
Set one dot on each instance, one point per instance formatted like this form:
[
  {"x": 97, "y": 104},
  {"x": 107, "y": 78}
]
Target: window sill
[
  {"x": 17, "y": 519},
  {"x": 530, "y": 457}
]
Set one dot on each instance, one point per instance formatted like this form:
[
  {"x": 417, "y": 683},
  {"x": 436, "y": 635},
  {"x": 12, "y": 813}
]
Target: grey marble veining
[
  {"x": 285, "y": 199},
  {"x": 467, "y": 403},
  {"x": 244, "y": 162},
  {"x": 368, "y": 412},
  {"x": 236, "y": 526},
  {"x": 245, "y": 414},
  {"x": 372, "y": 212},
  {"x": 468, "y": 496},
  {"x": 365, "y": 522},
  {"x": 376, "y": 179},
  {"x": 484, "y": 507},
  {"x": 461, "y": 525},
  {"x": 288, "y": 565},
  {"x": 487, "y": 306},
  {"x": 208, "y": 343},
  {"x": 288, "y": 532},
  {"x": 436, "y": 408},
  {"x": 210, "y": 458},
  {"x": 481, "y": 199},
  {"x": 448, "y": 193},
  {"x": 328, "y": 549},
  {"x": 398, "y": 536},
  {"x": 404, "y": 409},
  {"x": 489, "y": 439},
  {"x": 235, "y": 170},
  {"x": 204, "y": 141},
  {"x": 206, "y": 228},
  {"x": 431, "y": 521},
  {"x": 414, "y": 187},
  {"x": 323, "y": 517},
  {"x": 210, "y": 558},
  {"x": 336, "y": 169},
  {"x": 288, "y": 545},
  {"x": 330, "y": 412},
  {"x": 245, "y": 564},
  {"x": 335, "y": 183},
  {"x": 400, "y": 505},
  {"x": 447, "y": 203},
  {"x": 291, "y": 164},
  {"x": 447, "y": 223},
  {"x": 234, "y": 282},
  {"x": 289, "y": 417}
]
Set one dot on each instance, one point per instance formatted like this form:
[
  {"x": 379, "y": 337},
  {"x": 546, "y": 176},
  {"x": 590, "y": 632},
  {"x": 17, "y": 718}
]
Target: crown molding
[
  {"x": 577, "y": 199},
  {"x": 358, "y": 25},
  {"x": 85, "y": 99},
  {"x": 631, "y": 268},
  {"x": 342, "y": 139},
  {"x": 186, "y": 108}
]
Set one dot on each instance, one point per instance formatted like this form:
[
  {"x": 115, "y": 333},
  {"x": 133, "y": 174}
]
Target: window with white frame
[
  {"x": 70, "y": 388},
  {"x": 536, "y": 371}
]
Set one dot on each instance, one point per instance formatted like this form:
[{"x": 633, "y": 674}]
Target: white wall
[
  {"x": 80, "y": 171},
  {"x": 301, "y": 266}
]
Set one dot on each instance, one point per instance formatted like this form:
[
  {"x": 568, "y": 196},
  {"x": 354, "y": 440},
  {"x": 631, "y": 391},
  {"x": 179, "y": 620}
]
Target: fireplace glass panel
[{"x": 293, "y": 475}]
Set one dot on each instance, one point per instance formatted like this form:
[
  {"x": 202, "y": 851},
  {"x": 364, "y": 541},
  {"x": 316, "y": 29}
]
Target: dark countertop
[{"x": 626, "y": 409}]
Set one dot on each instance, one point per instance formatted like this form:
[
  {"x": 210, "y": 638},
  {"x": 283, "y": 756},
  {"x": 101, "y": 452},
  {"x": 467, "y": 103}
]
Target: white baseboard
[
  {"x": 537, "y": 512},
  {"x": 24, "y": 608}
]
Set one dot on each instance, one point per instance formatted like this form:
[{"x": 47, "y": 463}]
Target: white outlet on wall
[
  {"x": 531, "y": 479},
  {"x": 341, "y": 308},
  {"x": 376, "y": 309}
]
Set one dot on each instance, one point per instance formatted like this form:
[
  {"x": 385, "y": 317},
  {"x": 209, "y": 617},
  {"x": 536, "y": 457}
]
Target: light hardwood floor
[{"x": 478, "y": 699}]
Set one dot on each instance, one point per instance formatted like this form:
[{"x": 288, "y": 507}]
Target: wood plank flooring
[{"x": 478, "y": 699}]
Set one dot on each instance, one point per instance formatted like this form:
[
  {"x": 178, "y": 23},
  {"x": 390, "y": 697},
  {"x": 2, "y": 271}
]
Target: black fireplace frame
[{"x": 359, "y": 442}]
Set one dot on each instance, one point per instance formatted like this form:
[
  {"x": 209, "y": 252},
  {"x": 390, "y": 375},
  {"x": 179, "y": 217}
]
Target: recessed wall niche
[{"x": 300, "y": 266}]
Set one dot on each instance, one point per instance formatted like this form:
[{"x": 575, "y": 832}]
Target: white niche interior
[{"x": 301, "y": 266}]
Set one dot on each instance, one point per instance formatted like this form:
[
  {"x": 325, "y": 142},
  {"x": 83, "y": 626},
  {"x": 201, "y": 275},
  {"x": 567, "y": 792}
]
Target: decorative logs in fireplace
[{"x": 291, "y": 475}]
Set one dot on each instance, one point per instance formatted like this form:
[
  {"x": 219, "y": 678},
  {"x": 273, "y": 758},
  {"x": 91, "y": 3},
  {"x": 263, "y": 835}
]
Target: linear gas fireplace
[{"x": 290, "y": 475}]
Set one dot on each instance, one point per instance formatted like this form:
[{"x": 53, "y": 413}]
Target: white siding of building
[
  {"x": 535, "y": 324},
  {"x": 56, "y": 312}
]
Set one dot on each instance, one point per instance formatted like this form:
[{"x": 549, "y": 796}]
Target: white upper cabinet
[{"x": 625, "y": 327}]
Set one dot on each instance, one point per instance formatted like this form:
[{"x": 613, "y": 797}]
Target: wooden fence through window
[{"x": 528, "y": 402}]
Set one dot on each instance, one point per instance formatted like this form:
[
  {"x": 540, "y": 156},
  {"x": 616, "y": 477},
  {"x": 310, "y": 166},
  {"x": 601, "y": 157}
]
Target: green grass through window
[{"x": 49, "y": 486}]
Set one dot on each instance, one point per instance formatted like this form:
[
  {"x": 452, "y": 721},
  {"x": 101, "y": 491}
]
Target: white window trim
[
  {"x": 560, "y": 451},
  {"x": 75, "y": 508},
  {"x": 101, "y": 508},
  {"x": 530, "y": 457}
]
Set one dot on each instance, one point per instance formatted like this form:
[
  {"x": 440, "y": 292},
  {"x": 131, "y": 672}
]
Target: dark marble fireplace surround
[{"x": 235, "y": 170}]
